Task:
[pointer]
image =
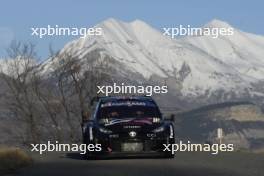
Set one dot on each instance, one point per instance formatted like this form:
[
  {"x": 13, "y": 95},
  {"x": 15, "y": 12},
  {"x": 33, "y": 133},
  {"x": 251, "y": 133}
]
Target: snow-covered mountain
[
  {"x": 200, "y": 66},
  {"x": 243, "y": 51}
]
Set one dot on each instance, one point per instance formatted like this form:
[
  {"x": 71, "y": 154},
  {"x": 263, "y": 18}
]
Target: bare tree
[
  {"x": 77, "y": 82},
  {"x": 56, "y": 102},
  {"x": 17, "y": 73},
  {"x": 44, "y": 92}
]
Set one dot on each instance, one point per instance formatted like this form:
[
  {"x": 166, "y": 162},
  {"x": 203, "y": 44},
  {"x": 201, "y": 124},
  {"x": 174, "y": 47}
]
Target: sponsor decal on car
[
  {"x": 137, "y": 121},
  {"x": 123, "y": 103}
]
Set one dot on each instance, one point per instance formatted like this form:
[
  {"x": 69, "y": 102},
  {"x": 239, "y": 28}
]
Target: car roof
[{"x": 126, "y": 98}]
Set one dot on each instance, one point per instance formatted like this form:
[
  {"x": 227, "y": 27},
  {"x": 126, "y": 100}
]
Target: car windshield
[{"x": 128, "y": 110}]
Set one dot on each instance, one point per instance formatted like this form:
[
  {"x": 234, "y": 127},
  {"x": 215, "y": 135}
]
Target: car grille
[
  {"x": 132, "y": 147},
  {"x": 135, "y": 146}
]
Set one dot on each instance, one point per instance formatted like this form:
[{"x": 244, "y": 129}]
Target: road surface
[{"x": 184, "y": 164}]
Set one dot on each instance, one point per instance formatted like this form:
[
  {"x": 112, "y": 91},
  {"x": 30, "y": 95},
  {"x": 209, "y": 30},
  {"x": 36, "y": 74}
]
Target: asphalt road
[{"x": 184, "y": 164}]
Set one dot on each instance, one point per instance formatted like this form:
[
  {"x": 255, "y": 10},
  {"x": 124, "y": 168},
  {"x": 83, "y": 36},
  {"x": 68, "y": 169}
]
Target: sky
[{"x": 18, "y": 17}]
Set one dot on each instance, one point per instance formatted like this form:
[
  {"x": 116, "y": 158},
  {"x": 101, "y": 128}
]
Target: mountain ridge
[{"x": 200, "y": 66}]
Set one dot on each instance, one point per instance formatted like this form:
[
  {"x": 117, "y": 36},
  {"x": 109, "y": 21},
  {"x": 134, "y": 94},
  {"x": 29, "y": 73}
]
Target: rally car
[{"x": 128, "y": 126}]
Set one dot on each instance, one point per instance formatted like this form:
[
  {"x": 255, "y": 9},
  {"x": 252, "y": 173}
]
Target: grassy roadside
[{"x": 12, "y": 159}]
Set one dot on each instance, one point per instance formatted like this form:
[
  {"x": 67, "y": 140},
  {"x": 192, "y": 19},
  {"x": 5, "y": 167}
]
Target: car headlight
[
  {"x": 103, "y": 130},
  {"x": 159, "y": 129},
  {"x": 156, "y": 120}
]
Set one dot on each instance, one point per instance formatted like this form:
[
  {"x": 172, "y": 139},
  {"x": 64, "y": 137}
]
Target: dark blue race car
[{"x": 128, "y": 126}]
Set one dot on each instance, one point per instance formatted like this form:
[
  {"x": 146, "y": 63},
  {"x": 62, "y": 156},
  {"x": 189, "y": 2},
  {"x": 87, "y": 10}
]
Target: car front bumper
[{"x": 136, "y": 147}]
